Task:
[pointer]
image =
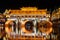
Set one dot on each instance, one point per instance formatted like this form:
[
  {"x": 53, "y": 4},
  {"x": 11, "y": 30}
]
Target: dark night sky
[{"x": 16, "y": 4}]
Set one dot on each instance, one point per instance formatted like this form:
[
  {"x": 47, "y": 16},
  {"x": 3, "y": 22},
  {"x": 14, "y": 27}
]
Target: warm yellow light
[{"x": 28, "y": 8}]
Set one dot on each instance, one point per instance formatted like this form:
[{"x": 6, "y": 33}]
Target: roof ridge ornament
[{"x": 28, "y": 8}]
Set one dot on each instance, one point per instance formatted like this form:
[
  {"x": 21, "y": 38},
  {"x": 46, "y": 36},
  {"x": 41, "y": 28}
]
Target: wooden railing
[{"x": 27, "y": 38}]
